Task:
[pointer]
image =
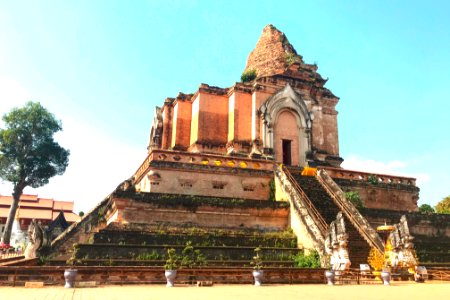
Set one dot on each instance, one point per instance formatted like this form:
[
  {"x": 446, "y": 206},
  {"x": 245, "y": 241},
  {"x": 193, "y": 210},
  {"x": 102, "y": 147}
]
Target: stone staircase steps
[
  {"x": 160, "y": 263},
  {"x": 358, "y": 248},
  {"x": 210, "y": 238},
  {"x": 100, "y": 252}
]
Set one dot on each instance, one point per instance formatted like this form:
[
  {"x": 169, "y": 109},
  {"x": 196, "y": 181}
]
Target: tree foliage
[
  {"x": 426, "y": 209},
  {"x": 355, "y": 199},
  {"x": 443, "y": 207},
  {"x": 29, "y": 156}
]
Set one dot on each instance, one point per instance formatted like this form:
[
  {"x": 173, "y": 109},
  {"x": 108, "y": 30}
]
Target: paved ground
[{"x": 396, "y": 291}]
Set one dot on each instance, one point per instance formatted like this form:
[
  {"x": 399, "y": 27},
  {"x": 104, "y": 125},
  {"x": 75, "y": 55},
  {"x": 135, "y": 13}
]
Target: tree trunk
[{"x": 12, "y": 214}]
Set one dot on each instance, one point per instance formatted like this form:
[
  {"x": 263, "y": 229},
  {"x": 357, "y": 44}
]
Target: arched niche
[{"x": 286, "y": 124}]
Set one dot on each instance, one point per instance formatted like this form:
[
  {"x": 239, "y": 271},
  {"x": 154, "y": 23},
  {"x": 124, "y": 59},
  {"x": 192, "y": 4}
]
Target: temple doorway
[
  {"x": 287, "y": 158},
  {"x": 286, "y": 138}
]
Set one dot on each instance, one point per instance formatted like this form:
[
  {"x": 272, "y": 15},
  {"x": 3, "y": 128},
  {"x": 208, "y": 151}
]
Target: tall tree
[
  {"x": 443, "y": 207},
  {"x": 29, "y": 156},
  {"x": 426, "y": 209}
]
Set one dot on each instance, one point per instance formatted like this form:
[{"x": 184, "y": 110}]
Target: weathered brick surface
[
  {"x": 132, "y": 211},
  {"x": 53, "y": 275},
  {"x": 272, "y": 53}
]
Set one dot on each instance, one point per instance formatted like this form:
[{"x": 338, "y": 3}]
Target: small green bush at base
[{"x": 312, "y": 260}]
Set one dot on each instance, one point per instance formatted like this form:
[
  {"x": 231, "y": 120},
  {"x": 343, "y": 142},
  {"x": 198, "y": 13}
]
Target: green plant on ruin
[
  {"x": 257, "y": 260},
  {"x": 272, "y": 190},
  {"x": 248, "y": 75},
  {"x": 311, "y": 260},
  {"x": 101, "y": 214},
  {"x": 355, "y": 199},
  {"x": 149, "y": 256},
  {"x": 110, "y": 262},
  {"x": 373, "y": 179},
  {"x": 43, "y": 260},
  {"x": 193, "y": 202},
  {"x": 90, "y": 239},
  {"x": 291, "y": 58}
]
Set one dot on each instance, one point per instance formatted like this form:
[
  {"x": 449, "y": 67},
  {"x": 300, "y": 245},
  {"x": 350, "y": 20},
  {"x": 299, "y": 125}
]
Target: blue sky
[{"x": 102, "y": 66}]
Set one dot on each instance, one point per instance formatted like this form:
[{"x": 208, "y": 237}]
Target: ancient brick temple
[
  {"x": 226, "y": 141},
  {"x": 230, "y": 162},
  {"x": 284, "y": 114}
]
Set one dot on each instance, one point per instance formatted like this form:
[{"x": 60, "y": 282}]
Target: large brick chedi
[{"x": 284, "y": 113}]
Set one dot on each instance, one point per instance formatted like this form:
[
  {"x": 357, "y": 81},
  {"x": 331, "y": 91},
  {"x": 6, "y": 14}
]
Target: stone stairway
[{"x": 358, "y": 247}]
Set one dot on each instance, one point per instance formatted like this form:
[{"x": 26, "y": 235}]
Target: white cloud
[{"x": 394, "y": 167}]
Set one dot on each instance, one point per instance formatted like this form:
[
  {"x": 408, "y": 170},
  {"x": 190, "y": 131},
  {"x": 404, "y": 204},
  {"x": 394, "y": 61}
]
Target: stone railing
[
  {"x": 202, "y": 159},
  {"x": 367, "y": 177},
  {"x": 304, "y": 208},
  {"x": 350, "y": 211}
]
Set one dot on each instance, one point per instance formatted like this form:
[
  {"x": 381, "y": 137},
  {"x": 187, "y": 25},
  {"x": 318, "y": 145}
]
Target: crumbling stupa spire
[{"x": 273, "y": 53}]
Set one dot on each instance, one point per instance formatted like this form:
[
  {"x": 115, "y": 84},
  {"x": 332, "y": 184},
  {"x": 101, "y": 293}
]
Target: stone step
[
  {"x": 161, "y": 263},
  {"x": 109, "y": 251},
  {"x": 200, "y": 239}
]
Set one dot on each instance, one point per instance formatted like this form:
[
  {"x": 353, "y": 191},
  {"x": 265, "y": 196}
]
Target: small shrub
[
  {"x": 192, "y": 257},
  {"x": 172, "y": 261},
  {"x": 248, "y": 75},
  {"x": 72, "y": 261},
  {"x": 43, "y": 260},
  {"x": 291, "y": 58},
  {"x": 272, "y": 190},
  {"x": 355, "y": 199},
  {"x": 149, "y": 256},
  {"x": 372, "y": 179},
  {"x": 101, "y": 214},
  {"x": 312, "y": 260},
  {"x": 257, "y": 261}
]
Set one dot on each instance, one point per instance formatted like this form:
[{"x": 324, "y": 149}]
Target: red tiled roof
[
  {"x": 62, "y": 205},
  {"x": 33, "y": 207}
]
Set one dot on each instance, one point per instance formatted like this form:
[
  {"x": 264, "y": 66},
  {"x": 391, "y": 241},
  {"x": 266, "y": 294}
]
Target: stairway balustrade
[{"x": 350, "y": 211}]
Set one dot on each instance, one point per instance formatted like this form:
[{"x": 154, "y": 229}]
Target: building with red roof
[{"x": 31, "y": 207}]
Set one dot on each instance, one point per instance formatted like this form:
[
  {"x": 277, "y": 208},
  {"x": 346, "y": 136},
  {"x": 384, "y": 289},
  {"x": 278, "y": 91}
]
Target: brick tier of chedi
[{"x": 230, "y": 163}]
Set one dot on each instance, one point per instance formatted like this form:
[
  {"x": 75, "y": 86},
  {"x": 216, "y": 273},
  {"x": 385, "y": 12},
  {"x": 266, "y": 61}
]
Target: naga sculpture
[
  {"x": 38, "y": 240},
  {"x": 336, "y": 244},
  {"x": 402, "y": 248}
]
